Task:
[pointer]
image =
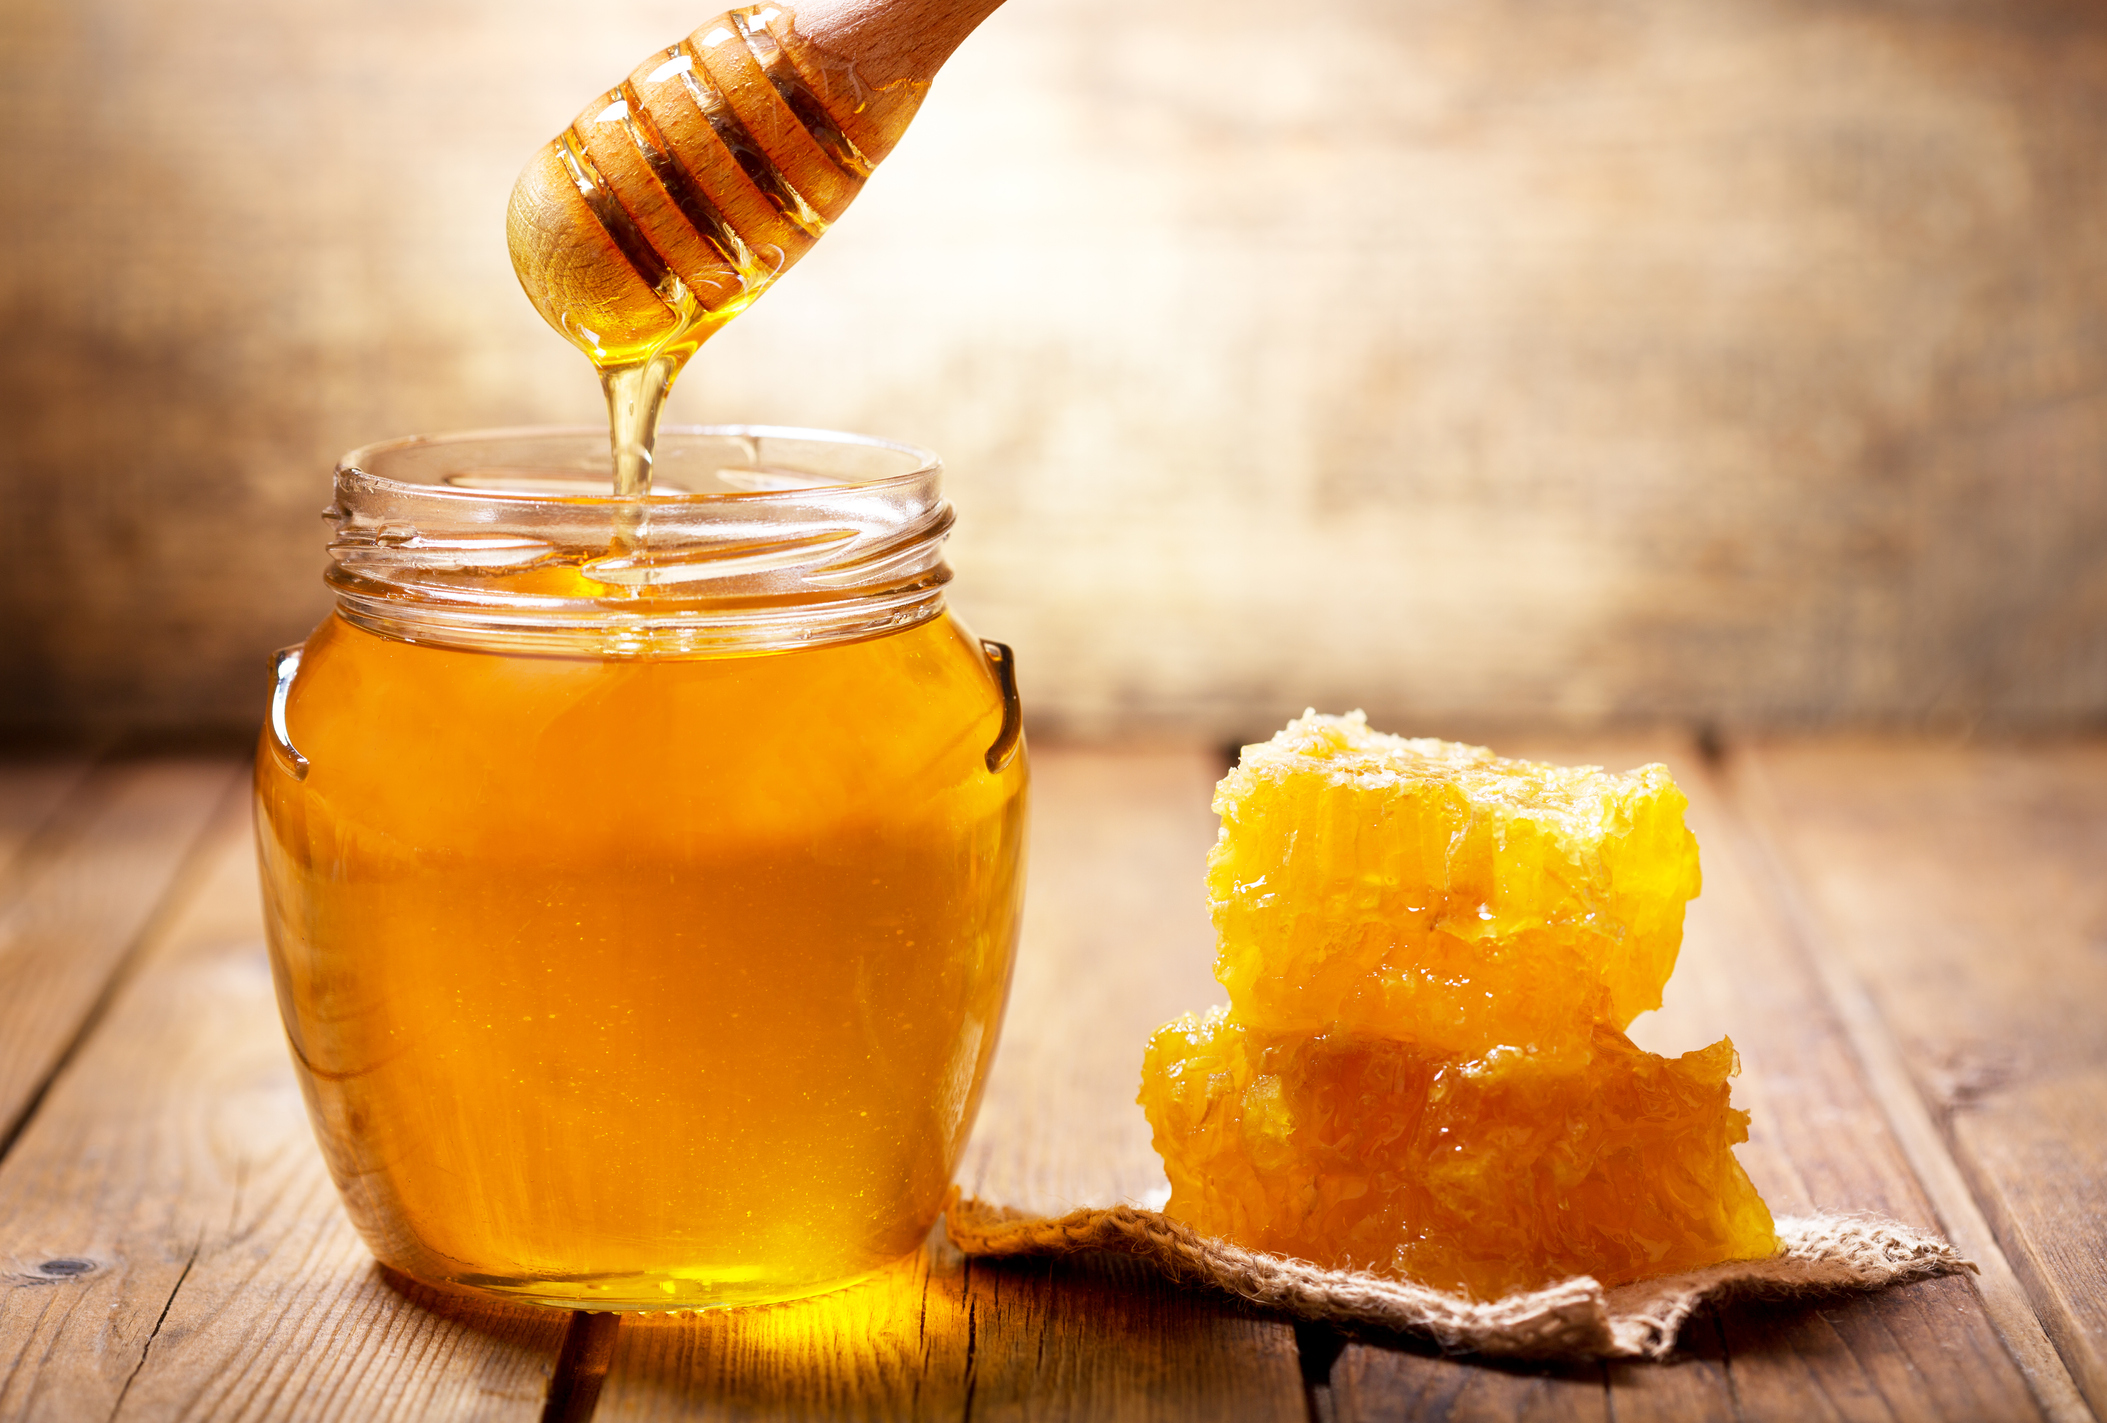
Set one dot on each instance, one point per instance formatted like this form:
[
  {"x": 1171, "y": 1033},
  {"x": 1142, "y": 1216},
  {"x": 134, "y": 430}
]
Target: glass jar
[{"x": 642, "y": 877}]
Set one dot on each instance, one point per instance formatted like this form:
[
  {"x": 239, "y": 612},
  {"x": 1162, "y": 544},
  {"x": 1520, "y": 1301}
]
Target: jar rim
[
  {"x": 760, "y": 538},
  {"x": 356, "y": 462}
]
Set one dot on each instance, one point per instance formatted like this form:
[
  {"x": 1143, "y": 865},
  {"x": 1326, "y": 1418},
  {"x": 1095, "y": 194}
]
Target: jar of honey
[{"x": 642, "y": 876}]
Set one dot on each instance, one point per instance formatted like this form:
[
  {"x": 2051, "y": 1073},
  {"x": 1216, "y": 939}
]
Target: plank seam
[
  {"x": 1745, "y": 811},
  {"x": 2065, "y": 1332},
  {"x": 36, "y": 846},
  {"x": 581, "y": 1367},
  {"x": 148, "y": 1347},
  {"x": 183, "y": 884},
  {"x": 1317, "y": 1351},
  {"x": 1726, "y": 1364},
  {"x": 972, "y": 1350}
]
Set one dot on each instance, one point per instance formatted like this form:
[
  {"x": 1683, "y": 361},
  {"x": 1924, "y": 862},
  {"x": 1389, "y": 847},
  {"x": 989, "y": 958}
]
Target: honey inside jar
[{"x": 643, "y": 979}]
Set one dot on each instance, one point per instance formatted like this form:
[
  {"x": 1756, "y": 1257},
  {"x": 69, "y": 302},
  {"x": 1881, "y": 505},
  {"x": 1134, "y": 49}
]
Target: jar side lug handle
[
  {"x": 1004, "y": 664},
  {"x": 285, "y": 665}
]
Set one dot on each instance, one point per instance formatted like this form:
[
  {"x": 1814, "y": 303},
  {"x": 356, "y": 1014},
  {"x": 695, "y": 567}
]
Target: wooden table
[{"x": 1907, "y": 942}]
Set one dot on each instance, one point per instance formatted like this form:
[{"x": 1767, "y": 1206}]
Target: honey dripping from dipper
[{"x": 680, "y": 196}]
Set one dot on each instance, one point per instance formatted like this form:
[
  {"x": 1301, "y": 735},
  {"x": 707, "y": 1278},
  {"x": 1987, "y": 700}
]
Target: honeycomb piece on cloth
[
  {"x": 1424, "y": 889},
  {"x": 1484, "y": 1175}
]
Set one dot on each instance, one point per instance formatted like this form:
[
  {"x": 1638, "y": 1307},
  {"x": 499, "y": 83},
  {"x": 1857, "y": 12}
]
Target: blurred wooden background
[{"x": 1570, "y": 361}]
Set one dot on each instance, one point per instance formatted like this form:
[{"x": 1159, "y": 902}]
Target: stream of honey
[
  {"x": 643, "y": 984},
  {"x": 677, "y": 198}
]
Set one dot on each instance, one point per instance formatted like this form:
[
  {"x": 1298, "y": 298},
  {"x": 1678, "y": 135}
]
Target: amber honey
[
  {"x": 643, "y": 856},
  {"x": 676, "y": 198},
  {"x": 640, "y": 980},
  {"x": 1431, "y": 954}
]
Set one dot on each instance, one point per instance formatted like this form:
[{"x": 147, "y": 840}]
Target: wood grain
[
  {"x": 939, "y": 1337},
  {"x": 1960, "y": 889},
  {"x": 1696, "y": 1386},
  {"x": 82, "y": 892},
  {"x": 31, "y": 788},
  {"x": 1116, "y": 942},
  {"x": 170, "y": 1245},
  {"x": 2041, "y": 1153},
  {"x": 1932, "y": 1351},
  {"x": 1407, "y": 1383},
  {"x": 877, "y": 1350},
  {"x": 891, "y": 41}
]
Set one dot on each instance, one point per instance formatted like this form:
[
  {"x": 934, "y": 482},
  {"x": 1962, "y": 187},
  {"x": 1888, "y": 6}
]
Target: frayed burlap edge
[{"x": 1574, "y": 1319}]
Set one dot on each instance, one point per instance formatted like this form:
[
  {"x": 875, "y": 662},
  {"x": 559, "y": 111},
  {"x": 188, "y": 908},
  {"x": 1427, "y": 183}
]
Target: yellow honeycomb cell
[
  {"x": 1480, "y": 1174},
  {"x": 1431, "y": 955},
  {"x": 1424, "y": 889}
]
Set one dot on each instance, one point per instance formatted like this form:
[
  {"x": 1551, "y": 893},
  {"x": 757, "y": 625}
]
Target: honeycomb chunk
[
  {"x": 1482, "y": 1174},
  {"x": 1431, "y": 955},
  {"x": 1426, "y": 889}
]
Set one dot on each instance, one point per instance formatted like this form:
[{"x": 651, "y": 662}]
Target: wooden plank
[
  {"x": 32, "y": 787},
  {"x": 1929, "y": 1351},
  {"x": 892, "y": 1346},
  {"x": 1400, "y": 1383},
  {"x": 1696, "y": 1386},
  {"x": 1958, "y": 904},
  {"x": 1103, "y": 1336},
  {"x": 84, "y": 889},
  {"x": 1090, "y": 1337},
  {"x": 1116, "y": 941},
  {"x": 1819, "y": 1140},
  {"x": 2040, "y": 1154},
  {"x": 170, "y": 1245}
]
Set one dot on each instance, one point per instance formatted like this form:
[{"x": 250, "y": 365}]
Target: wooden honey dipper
[{"x": 676, "y": 198}]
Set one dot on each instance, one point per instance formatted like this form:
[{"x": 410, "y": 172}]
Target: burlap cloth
[{"x": 1574, "y": 1319}]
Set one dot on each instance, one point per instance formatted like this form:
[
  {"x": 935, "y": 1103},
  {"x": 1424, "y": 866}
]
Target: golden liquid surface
[{"x": 643, "y": 984}]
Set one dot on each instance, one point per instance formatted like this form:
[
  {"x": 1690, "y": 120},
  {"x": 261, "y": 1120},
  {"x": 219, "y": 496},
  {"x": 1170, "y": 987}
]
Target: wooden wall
[{"x": 1471, "y": 360}]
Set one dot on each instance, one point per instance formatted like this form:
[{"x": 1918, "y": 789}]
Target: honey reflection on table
[{"x": 939, "y": 1336}]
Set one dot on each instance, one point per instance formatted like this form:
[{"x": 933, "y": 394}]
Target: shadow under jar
[{"x": 642, "y": 878}]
